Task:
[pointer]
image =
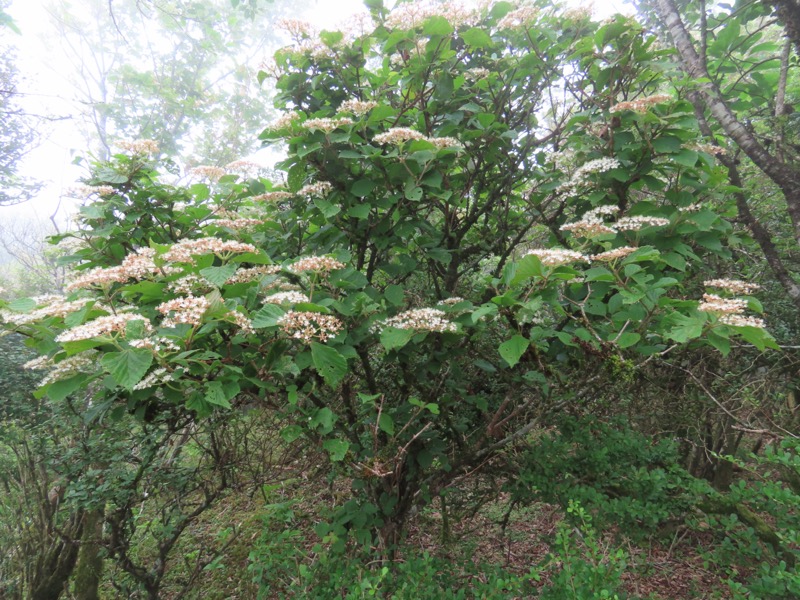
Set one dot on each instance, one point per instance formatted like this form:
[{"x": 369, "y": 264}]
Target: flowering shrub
[{"x": 441, "y": 272}]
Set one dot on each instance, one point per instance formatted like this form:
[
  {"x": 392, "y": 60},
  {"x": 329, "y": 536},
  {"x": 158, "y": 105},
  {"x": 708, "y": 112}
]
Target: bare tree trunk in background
[{"x": 785, "y": 176}]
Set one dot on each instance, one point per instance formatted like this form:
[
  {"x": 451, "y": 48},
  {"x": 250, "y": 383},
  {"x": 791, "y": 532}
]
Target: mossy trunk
[{"x": 89, "y": 569}]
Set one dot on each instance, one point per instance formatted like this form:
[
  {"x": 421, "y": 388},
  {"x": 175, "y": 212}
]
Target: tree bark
[{"x": 785, "y": 176}]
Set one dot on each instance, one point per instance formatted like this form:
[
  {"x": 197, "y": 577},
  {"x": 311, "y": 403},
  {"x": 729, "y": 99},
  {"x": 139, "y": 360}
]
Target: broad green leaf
[
  {"x": 386, "y": 424},
  {"x": 336, "y": 448},
  {"x": 363, "y": 187},
  {"x": 58, "y": 390},
  {"x": 476, "y": 38},
  {"x": 626, "y": 340},
  {"x": 220, "y": 394},
  {"x": 267, "y": 316},
  {"x": 219, "y": 275},
  {"x": 22, "y": 305},
  {"x": 527, "y": 267},
  {"x": 684, "y": 328},
  {"x": 128, "y": 366},
  {"x": 394, "y": 294},
  {"x": 328, "y": 363},
  {"x": 323, "y": 419},
  {"x": 513, "y": 349},
  {"x": 393, "y": 338}
]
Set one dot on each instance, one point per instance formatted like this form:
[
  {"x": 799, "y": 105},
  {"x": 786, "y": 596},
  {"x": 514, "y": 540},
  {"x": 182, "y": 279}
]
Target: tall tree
[
  {"x": 181, "y": 73},
  {"x": 18, "y": 131},
  {"x": 739, "y": 93}
]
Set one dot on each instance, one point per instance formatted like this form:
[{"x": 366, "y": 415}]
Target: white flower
[
  {"x": 553, "y": 257},
  {"x": 419, "y": 319},
  {"x": 103, "y": 327},
  {"x": 734, "y": 286},
  {"x": 307, "y": 326}
]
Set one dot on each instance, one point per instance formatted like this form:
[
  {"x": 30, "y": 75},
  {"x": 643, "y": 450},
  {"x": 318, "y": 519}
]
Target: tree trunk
[
  {"x": 89, "y": 569},
  {"x": 785, "y": 176}
]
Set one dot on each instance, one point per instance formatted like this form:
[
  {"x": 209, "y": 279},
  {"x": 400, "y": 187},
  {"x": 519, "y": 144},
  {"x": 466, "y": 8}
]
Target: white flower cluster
[
  {"x": 185, "y": 250},
  {"x": 320, "y": 188},
  {"x": 419, "y": 319},
  {"x": 273, "y": 196},
  {"x": 451, "y": 301},
  {"x": 742, "y": 321},
  {"x": 307, "y": 326},
  {"x": 106, "y": 326},
  {"x": 413, "y": 14},
  {"x": 290, "y": 297},
  {"x": 691, "y": 208},
  {"x": 188, "y": 310},
  {"x": 155, "y": 378},
  {"x": 238, "y": 224},
  {"x": 712, "y": 303},
  {"x": 83, "y": 362},
  {"x": 729, "y": 310},
  {"x": 207, "y": 172},
  {"x": 86, "y": 191},
  {"x": 444, "y": 142},
  {"x": 357, "y": 107},
  {"x": 476, "y": 73},
  {"x": 241, "y": 321},
  {"x": 581, "y": 176},
  {"x": 55, "y": 306},
  {"x": 248, "y": 274},
  {"x": 327, "y": 125},
  {"x": 287, "y": 119},
  {"x": 398, "y": 135},
  {"x": 156, "y": 344},
  {"x": 101, "y": 276},
  {"x": 245, "y": 167},
  {"x": 188, "y": 284},
  {"x": 521, "y": 17},
  {"x": 138, "y": 147},
  {"x": 315, "y": 264},
  {"x": 640, "y": 105},
  {"x": 707, "y": 148},
  {"x": 297, "y": 29},
  {"x": 614, "y": 254},
  {"x": 553, "y": 257},
  {"x": 734, "y": 286},
  {"x": 638, "y": 222}
]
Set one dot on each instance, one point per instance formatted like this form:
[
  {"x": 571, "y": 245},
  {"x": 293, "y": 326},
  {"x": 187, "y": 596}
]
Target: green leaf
[
  {"x": 684, "y": 328},
  {"x": 328, "y": 363},
  {"x": 386, "y": 424},
  {"x": 129, "y": 366},
  {"x": 513, "y": 349},
  {"x": 437, "y": 26},
  {"x": 393, "y": 338},
  {"x": 22, "y": 305},
  {"x": 527, "y": 267},
  {"x": 756, "y": 336},
  {"x": 323, "y": 419},
  {"x": 359, "y": 211},
  {"x": 626, "y": 340},
  {"x": 267, "y": 316},
  {"x": 58, "y": 390},
  {"x": 476, "y": 38},
  {"x": 667, "y": 144},
  {"x": 220, "y": 394},
  {"x": 336, "y": 448},
  {"x": 219, "y": 275},
  {"x": 394, "y": 294},
  {"x": 363, "y": 187}
]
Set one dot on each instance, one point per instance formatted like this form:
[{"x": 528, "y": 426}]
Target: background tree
[{"x": 18, "y": 130}]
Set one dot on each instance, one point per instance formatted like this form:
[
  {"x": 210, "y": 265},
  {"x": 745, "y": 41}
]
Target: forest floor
[{"x": 660, "y": 567}]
